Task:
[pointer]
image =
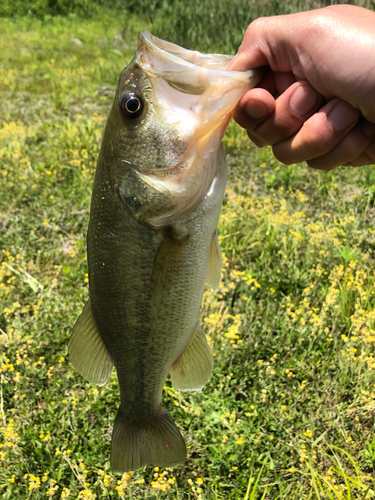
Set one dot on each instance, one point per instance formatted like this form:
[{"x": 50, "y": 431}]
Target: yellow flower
[{"x": 86, "y": 495}]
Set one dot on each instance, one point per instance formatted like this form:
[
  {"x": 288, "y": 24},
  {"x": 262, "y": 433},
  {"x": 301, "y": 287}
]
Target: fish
[{"x": 152, "y": 241}]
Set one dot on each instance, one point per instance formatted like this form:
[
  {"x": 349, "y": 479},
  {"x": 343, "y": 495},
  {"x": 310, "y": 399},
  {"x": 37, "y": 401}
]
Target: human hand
[{"x": 317, "y": 101}]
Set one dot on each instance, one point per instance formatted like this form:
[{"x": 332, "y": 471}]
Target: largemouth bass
[{"x": 152, "y": 240}]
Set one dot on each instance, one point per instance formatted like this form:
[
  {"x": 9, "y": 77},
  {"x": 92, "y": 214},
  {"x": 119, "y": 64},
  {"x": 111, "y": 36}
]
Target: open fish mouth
[
  {"x": 171, "y": 50},
  {"x": 203, "y": 86},
  {"x": 196, "y": 93}
]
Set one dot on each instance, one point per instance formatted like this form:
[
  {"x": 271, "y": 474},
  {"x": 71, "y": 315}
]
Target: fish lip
[
  {"x": 162, "y": 49},
  {"x": 169, "y": 49}
]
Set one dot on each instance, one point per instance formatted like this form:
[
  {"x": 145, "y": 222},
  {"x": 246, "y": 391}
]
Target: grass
[
  {"x": 289, "y": 410},
  {"x": 219, "y": 26}
]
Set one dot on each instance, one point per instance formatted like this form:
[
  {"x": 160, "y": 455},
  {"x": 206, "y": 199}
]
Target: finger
[
  {"x": 319, "y": 134},
  {"x": 292, "y": 109},
  {"x": 266, "y": 42},
  {"x": 282, "y": 81},
  {"x": 276, "y": 83},
  {"x": 256, "y": 105},
  {"x": 362, "y": 160},
  {"x": 349, "y": 151},
  {"x": 367, "y": 157}
]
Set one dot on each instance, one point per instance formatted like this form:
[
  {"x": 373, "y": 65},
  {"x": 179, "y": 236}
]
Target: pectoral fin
[
  {"x": 168, "y": 263},
  {"x": 192, "y": 369},
  {"x": 214, "y": 263},
  {"x": 88, "y": 353}
]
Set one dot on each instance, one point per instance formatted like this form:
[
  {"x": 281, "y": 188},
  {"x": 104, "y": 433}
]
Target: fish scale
[{"x": 152, "y": 241}]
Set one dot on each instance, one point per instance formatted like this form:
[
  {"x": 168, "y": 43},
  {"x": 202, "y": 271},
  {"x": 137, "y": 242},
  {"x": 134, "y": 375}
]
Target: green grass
[
  {"x": 211, "y": 26},
  {"x": 289, "y": 410},
  {"x": 206, "y": 25}
]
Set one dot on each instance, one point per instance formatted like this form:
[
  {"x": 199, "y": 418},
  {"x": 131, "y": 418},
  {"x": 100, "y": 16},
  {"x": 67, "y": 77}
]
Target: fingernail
[
  {"x": 303, "y": 100},
  {"x": 342, "y": 116},
  {"x": 368, "y": 129},
  {"x": 256, "y": 109}
]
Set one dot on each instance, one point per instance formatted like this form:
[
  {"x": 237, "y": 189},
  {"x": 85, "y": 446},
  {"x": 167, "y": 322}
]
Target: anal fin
[
  {"x": 214, "y": 263},
  {"x": 87, "y": 351},
  {"x": 192, "y": 369}
]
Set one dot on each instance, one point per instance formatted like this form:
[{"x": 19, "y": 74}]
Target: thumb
[
  {"x": 270, "y": 41},
  {"x": 253, "y": 51}
]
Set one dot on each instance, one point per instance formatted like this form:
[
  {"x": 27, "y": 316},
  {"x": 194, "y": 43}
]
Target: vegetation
[
  {"x": 207, "y": 25},
  {"x": 289, "y": 410}
]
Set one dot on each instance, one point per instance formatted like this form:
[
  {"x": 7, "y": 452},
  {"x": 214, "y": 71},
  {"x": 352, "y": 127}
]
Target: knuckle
[
  {"x": 282, "y": 155},
  {"x": 320, "y": 164},
  {"x": 354, "y": 144},
  {"x": 316, "y": 136},
  {"x": 256, "y": 25},
  {"x": 285, "y": 129},
  {"x": 258, "y": 143},
  {"x": 350, "y": 149}
]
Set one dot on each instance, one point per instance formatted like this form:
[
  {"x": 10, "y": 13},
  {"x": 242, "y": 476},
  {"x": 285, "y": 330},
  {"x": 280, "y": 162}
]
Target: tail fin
[{"x": 154, "y": 442}]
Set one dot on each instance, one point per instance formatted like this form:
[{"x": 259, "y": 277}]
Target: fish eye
[{"x": 131, "y": 106}]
